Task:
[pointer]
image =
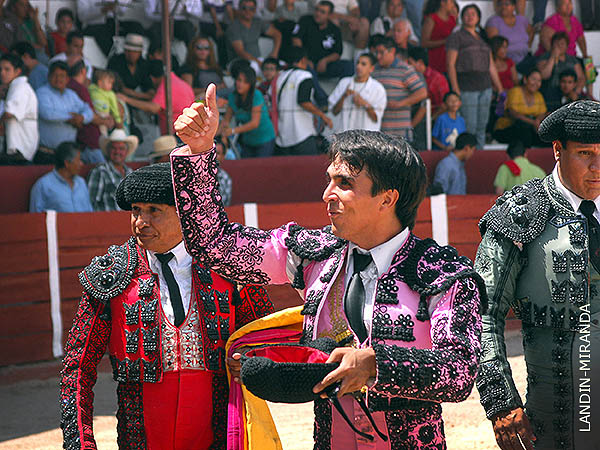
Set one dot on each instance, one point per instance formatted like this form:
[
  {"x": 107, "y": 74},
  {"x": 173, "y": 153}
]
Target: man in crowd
[
  {"x": 418, "y": 334},
  {"x": 104, "y": 179},
  {"x": 62, "y": 190},
  {"x": 165, "y": 319},
  {"x": 517, "y": 170},
  {"x": 450, "y": 173},
  {"x": 133, "y": 69},
  {"x": 37, "y": 73},
  {"x": 74, "y": 52},
  {"x": 385, "y": 24},
  {"x": 404, "y": 88},
  {"x": 354, "y": 28},
  {"x": 437, "y": 85},
  {"x": 185, "y": 15},
  {"x": 540, "y": 255},
  {"x": 61, "y": 111}
]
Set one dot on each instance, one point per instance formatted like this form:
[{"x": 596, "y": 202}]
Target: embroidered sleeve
[
  {"x": 498, "y": 262},
  {"x": 446, "y": 372},
  {"x": 84, "y": 349},
  {"x": 255, "y": 304}
]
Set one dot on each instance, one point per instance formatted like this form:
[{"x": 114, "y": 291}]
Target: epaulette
[
  {"x": 107, "y": 276},
  {"x": 519, "y": 214}
]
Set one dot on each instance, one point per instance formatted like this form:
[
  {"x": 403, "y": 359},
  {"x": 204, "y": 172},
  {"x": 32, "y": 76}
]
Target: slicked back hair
[{"x": 391, "y": 163}]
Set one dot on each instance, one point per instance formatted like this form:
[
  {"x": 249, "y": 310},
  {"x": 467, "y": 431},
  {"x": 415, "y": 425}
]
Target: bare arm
[
  {"x": 311, "y": 108},
  {"x": 238, "y": 47},
  {"x": 340, "y": 103},
  {"x": 296, "y": 42},
  {"x": 225, "y": 121},
  {"x": 416, "y": 119},
  {"x": 139, "y": 95},
  {"x": 494, "y": 75},
  {"x": 274, "y": 34},
  {"x": 546, "y": 66},
  {"x": 451, "y": 56},
  {"x": 580, "y": 78},
  {"x": 144, "y": 105},
  {"x": 252, "y": 124},
  {"x": 415, "y": 97},
  {"x": 514, "y": 75},
  {"x": 581, "y": 42},
  {"x": 546, "y": 37},
  {"x": 426, "y": 41}
]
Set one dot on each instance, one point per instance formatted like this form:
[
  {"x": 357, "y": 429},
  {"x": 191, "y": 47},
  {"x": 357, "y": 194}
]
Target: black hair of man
[
  {"x": 76, "y": 68},
  {"x": 64, "y": 12},
  {"x": 24, "y": 48},
  {"x": 66, "y": 151},
  {"x": 58, "y": 65},
  {"x": 156, "y": 68},
  {"x": 515, "y": 149},
  {"x": 295, "y": 54},
  {"x": 391, "y": 163},
  {"x": 567, "y": 73},
  {"x": 448, "y": 94},
  {"x": 388, "y": 43},
  {"x": 74, "y": 35},
  {"x": 418, "y": 54},
  {"x": 13, "y": 60},
  {"x": 558, "y": 36},
  {"x": 465, "y": 139},
  {"x": 375, "y": 40},
  {"x": 328, "y": 4},
  {"x": 370, "y": 56},
  {"x": 270, "y": 60}
]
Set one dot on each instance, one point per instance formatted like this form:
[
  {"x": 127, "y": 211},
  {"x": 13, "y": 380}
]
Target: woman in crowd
[
  {"x": 507, "y": 71},
  {"x": 472, "y": 71},
  {"x": 563, "y": 20},
  {"x": 524, "y": 110},
  {"x": 551, "y": 64},
  {"x": 247, "y": 106},
  {"x": 438, "y": 24},
  {"x": 201, "y": 68},
  {"x": 515, "y": 28}
]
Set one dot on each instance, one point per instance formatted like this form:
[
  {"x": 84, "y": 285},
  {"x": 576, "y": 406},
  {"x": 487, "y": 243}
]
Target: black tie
[
  {"x": 587, "y": 208},
  {"x": 355, "y": 295},
  {"x": 174, "y": 293}
]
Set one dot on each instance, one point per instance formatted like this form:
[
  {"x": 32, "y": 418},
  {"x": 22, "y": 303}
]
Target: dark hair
[
  {"x": 418, "y": 54},
  {"x": 236, "y": 65},
  {"x": 24, "y": 48},
  {"x": 271, "y": 60},
  {"x": 13, "y": 60},
  {"x": 391, "y": 163},
  {"x": 99, "y": 74},
  {"x": 56, "y": 65},
  {"x": 64, "y": 12},
  {"x": 470, "y": 5},
  {"x": 156, "y": 68},
  {"x": 328, "y": 4},
  {"x": 76, "y": 68},
  {"x": 558, "y": 36},
  {"x": 295, "y": 54},
  {"x": 250, "y": 76},
  {"x": 465, "y": 139},
  {"x": 65, "y": 151},
  {"x": 431, "y": 6},
  {"x": 375, "y": 40},
  {"x": 567, "y": 73},
  {"x": 515, "y": 149},
  {"x": 528, "y": 73},
  {"x": 388, "y": 42},
  {"x": 448, "y": 94},
  {"x": 370, "y": 56},
  {"x": 73, "y": 35},
  {"x": 496, "y": 43}
]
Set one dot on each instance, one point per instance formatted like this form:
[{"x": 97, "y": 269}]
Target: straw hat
[
  {"x": 163, "y": 146},
  {"x": 134, "y": 42},
  {"x": 118, "y": 135}
]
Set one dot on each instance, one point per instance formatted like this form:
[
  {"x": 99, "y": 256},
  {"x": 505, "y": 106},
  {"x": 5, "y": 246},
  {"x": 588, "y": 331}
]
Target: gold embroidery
[{"x": 339, "y": 327}]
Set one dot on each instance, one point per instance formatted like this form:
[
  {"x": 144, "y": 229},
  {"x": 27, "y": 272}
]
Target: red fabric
[
  {"x": 506, "y": 76},
  {"x": 60, "y": 43},
  {"x": 182, "y": 96},
  {"x": 437, "y": 87},
  {"x": 515, "y": 170},
  {"x": 89, "y": 134},
  {"x": 441, "y": 30},
  {"x": 290, "y": 354}
]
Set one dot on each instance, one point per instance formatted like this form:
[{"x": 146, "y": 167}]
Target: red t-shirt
[
  {"x": 437, "y": 87},
  {"x": 506, "y": 76},
  {"x": 182, "y": 96}
]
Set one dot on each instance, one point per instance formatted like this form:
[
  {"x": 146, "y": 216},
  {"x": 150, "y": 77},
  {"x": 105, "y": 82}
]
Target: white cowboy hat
[
  {"x": 118, "y": 135},
  {"x": 134, "y": 42},
  {"x": 163, "y": 146}
]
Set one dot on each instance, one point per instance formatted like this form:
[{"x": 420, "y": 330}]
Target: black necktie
[
  {"x": 587, "y": 208},
  {"x": 174, "y": 293},
  {"x": 355, "y": 295}
]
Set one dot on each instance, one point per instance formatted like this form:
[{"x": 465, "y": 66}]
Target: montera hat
[
  {"x": 148, "y": 184},
  {"x": 118, "y": 135},
  {"x": 134, "y": 42},
  {"x": 578, "y": 121},
  {"x": 163, "y": 146}
]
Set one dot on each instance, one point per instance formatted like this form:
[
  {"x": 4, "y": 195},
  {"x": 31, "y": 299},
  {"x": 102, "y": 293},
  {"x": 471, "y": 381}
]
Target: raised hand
[
  {"x": 198, "y": 124},
  {"x": 356, "y": 367}
]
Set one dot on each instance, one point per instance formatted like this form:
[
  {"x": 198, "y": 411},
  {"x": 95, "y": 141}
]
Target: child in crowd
[
  {"x": 507, "y": 71},
  {"x": 448, "y": 125},
  {"x": 104, "y": 98},
  {"x": 64, "y": 25},
  {"x": 567, "y": 90},
  {"x": 268, "y": 87}
]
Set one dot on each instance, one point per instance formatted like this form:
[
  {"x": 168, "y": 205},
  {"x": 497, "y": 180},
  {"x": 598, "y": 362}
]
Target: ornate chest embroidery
[
  {"x": 145, "y": 287},
  {"x": 559, "y": 291},
  {"x": 577, "y": 235},
  {"x": 149, "y": 309},
  {"x": 188, "y": 355},
  {"x": 402, "y": 328},
  {"x": 132, "y": 338},
  {"x": 132, "y": 313}
]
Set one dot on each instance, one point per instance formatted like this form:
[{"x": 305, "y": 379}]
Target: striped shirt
[
  {"x": 400, "y": 80},
  {"x": 102, "y": 184}
]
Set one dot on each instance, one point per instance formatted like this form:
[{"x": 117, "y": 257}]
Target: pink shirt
[
  {"x": 182, "y": 96},
  {"x": 556, "y": 23}
]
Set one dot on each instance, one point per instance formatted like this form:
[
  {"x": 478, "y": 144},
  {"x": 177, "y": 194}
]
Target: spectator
[
  {"x": 438, "y": 24},
  {"x": 322, "y": 40},
  {"x": 354, "y": 28},
  {"x": 217, "y": 14},
  {"x": 268, "y": 88},
  {"x": 89, "y": 134},
  {"x": 62, "y": 190},
  {"x": 295, "y": 109},
  {"x": 37, "y": 72},
  {"x": 29, "y": 28},
  {"x": 247, "y": 106},
  {"x": 10, "y": 29},
  {"x": 450, "y": 173},
  {"x": 61, "y": 111},
  {"x": 385, "y": 24},
  {"x": 472, "y": 71},
  {"x": 244, "y": 32},
  {"x": 287, "y": 16},
  {"x": 563, "y": 21},
  {"x": 517, "y": 170},
  {"x": 551, "y": 64},
  {"x": 184, "y": 13},
  {"x": 507, "y": 71},
  {"x": 567, "y": 91},
  {"x": 74, "y": 52},
  {"x": 155, "y": 51},
  {"x": 403, "y": 86},
  {"x": 201, "y": 68},
  {"x": 163, "y": 146},
  {"x": 225, "y": 184},
  {"x": 57, "y": 40},
  {"x": 449, "y": 125},
  {"x": 104, "y": 98},
  {"x": 105, "y": 178},
  {"x": 360, "y": 100},
  {"x": 20, "y": 111},
  {"x": 133, "y": 69},
  {"x": 182, "y": 95},
  {"x": 401, "y": 33},
  {"x": 524, "y": 110},
  {"x": 98, "y": 20},
  {"x": 515, "y": 28},
  {"x": 437, "y": 86}
]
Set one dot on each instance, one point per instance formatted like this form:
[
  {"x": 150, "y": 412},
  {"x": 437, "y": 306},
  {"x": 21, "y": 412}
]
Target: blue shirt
[
  {"x": 38, "y": 76},
  {"x": 54, "y": 109},
  {"x": 447, "y": 129},
  {"x": 450, "y": 175},
  {"x": 265, "y": 131},
  {"x": 53, "y": 192}
]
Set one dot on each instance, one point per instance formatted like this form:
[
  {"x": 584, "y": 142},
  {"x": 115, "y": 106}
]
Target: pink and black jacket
[{"x": 427, "y": 315}]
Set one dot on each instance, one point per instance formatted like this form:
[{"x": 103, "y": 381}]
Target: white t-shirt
[
  {"x": 353, "y": 117},
  {"x": 22, "y": 130}
]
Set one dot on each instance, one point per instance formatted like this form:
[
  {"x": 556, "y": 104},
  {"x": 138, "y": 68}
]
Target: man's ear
[
  {"x": 390, "y": 198},
  {"x": 556, "y": 149}
]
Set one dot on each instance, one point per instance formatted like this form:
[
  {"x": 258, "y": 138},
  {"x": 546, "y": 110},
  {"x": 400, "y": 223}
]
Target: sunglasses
[
  {"x": 202, "y": 47},
  {"x": 248, "y": 8}
]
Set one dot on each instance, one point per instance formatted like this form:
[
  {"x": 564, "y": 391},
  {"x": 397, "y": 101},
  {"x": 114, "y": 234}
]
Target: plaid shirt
[{"x": 102, "y": 184}]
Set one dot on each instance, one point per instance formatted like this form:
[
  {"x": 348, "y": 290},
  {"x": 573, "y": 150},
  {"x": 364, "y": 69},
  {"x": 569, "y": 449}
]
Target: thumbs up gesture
[{"x": 198, "y": 124}]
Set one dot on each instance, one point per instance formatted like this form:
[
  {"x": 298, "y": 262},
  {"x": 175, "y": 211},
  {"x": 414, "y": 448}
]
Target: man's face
[
  {"x": 75, "y": 47},
  {"x": 74, "y": 166},
  {"x": 64, "y": 25},
  {"x": 21, "y": 8},
  {"x": 132, "y": 56},
  {"x": 269, "y": 71},
  {"x": 394, "y": 8},
  {"x": 418, "y": 65},
  {"x": 579, "y": 167},
  {"x": 118, "y": 153},
  {"x": 385, "y": 56},
  {"x": 58, "y": 79},
  {"x": 155, "y": 226},
  {"x": 401, "y": 33},
  {"x": 248, "y": 9},
  {"x": 8, "y": 72},
  {"x": 453, "y": 103},
  {"x": 567, "y": 84},
  {"x": 156, "y": 81},
  {"x": 321, "y": 14},
  {"x": 469, "y": 151},
  {"x": 352, "y": 209},
  {"x": 364, "y": 68}
]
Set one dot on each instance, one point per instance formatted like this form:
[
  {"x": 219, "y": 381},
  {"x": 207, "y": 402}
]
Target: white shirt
[
  {"x": 63, "y": 57},
  {"x": 181, "y": 266},
  {"x": 22, "y": 130},
  {"x": 573, "y": 199},
  {"x": 90, "y": 11},
  {"x": 185, "y": 9}
]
